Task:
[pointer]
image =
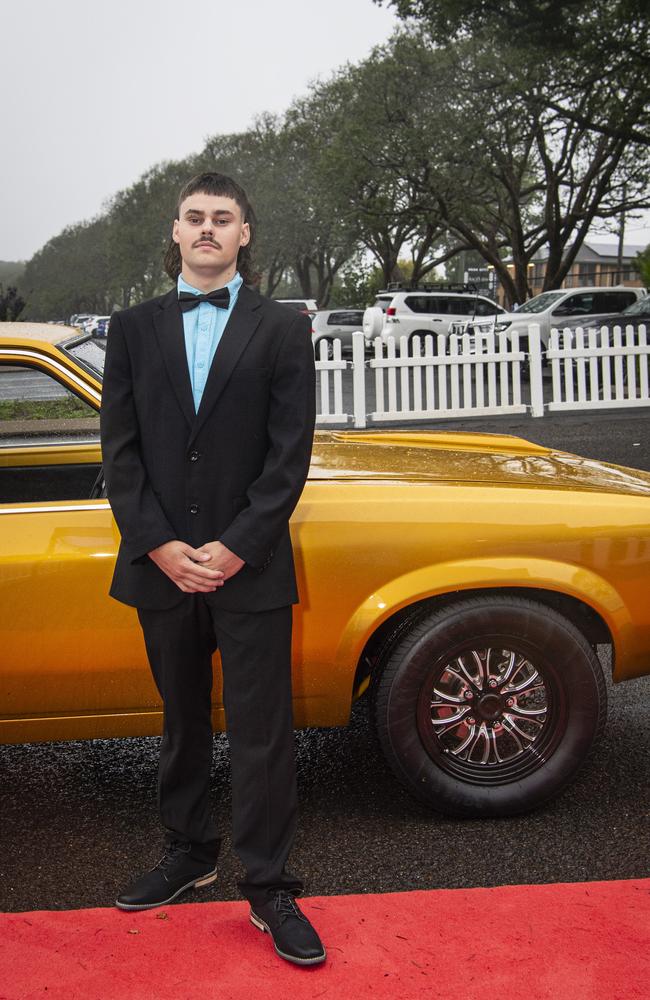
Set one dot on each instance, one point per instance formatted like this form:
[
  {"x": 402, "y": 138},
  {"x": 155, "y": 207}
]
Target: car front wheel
[{"x": 489, "y": 706}]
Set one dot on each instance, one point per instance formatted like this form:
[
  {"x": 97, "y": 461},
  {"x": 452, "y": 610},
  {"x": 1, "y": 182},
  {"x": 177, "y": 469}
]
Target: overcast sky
[{"x": 97, "y": 91}]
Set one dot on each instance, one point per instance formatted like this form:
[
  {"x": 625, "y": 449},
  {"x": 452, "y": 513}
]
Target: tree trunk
[{"x": 303, "y": 274}]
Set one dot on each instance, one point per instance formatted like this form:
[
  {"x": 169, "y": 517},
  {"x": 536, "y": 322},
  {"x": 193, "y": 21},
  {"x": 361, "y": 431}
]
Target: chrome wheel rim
[{"x": 490, "y": 714}]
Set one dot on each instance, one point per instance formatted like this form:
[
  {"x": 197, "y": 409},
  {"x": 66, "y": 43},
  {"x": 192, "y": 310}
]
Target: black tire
[
  {"x": 421, "y": 334},
  {"x": 477, "y": 748},
  {"x": 330, "y": 348}
]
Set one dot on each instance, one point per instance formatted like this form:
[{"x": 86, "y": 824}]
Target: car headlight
[{"x": 503, "y": 325}]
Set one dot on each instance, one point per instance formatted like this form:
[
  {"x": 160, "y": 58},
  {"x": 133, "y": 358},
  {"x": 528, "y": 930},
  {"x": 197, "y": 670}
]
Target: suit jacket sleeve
[
  {"x": 291, "y": 419},
  {"x": 139, "y": 516}
]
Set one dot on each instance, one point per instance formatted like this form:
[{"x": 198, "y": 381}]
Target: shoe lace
[
  {"x": 172, "y": 851},
  {"x": 286, "y": 906}
]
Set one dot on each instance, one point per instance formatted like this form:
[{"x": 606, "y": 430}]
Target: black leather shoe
[
  {"x": 293, "y": 936},
  {"x": 176, "y": 871}
]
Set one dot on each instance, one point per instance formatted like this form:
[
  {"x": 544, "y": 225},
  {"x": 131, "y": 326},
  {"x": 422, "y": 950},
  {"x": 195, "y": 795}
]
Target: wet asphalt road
[
  {"x": 618, "y": 436},
  {"x": 78, "y": 820}
]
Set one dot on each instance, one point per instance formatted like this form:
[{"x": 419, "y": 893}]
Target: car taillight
[{"x": 391, "y": 311}]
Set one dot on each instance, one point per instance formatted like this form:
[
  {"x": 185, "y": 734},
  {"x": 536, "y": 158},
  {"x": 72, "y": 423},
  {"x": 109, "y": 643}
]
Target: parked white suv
[
  {"x": 564, "y": 307},
  {"x": 425, "y": 309}
]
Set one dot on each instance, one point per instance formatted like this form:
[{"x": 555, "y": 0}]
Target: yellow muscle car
[{"x": 463, "y": 582}]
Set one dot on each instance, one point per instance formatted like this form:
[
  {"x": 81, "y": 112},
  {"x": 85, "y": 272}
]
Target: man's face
[{"x": 209, "y": 232}]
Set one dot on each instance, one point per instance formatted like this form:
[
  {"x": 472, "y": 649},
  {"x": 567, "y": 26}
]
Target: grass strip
[{"x": 43, "y": 409}]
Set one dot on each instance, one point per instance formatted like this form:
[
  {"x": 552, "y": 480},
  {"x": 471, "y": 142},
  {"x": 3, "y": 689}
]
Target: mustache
[{"x": 206, "y": 239}]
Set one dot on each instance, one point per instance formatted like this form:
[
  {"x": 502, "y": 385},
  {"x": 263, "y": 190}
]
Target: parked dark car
[{"x": 636, "y": 315}]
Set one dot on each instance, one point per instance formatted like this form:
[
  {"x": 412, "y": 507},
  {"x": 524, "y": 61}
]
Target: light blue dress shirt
[{"x": 203, "y": 327}]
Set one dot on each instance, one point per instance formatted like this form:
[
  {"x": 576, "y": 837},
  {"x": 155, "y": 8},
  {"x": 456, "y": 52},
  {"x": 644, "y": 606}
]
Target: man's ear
[
  {"x": 175, "y": 231},
  {"x": 245, "y": 235}
]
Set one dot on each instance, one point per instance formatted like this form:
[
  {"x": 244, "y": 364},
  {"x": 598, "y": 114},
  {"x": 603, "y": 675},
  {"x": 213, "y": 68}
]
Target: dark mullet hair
[{"x": 220, "y": 184}]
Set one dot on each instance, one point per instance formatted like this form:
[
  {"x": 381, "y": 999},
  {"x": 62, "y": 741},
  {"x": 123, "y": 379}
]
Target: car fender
[{"x": 446, "y": 578}]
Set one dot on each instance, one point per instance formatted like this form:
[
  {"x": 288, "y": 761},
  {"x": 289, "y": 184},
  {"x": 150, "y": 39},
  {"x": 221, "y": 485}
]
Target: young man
[{"x": 207, "y": 422}]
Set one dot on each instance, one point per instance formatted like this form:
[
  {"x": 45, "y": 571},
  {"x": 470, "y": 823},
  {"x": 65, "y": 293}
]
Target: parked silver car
[
  {"x": 564, "y": 307},
  {"x": 330, "y": 324}
]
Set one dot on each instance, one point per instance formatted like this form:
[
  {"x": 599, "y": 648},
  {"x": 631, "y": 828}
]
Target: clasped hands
[{"x": 196, "y": 571}]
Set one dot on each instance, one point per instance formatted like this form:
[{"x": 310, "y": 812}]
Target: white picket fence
[
  {"x": 433, "y": 383},
  {"x": 450, "y": 377},
  {"x": 330, "y": 383},
  {"x": 599, "y": 369}
]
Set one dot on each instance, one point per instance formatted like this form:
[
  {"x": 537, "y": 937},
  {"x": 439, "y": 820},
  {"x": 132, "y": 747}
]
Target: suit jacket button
[
  {"x": 194, "y": 456},
  {"x": 194, "y": 509}
]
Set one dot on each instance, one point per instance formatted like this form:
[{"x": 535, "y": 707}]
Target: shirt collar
[{"x": 233, "y": 285}]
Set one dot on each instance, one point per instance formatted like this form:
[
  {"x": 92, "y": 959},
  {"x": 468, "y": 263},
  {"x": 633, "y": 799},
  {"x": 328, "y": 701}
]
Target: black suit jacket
[{"x": 233, "y": 471}]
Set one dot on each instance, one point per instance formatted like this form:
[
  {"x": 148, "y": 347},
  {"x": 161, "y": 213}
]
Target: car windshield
[
  {"x": 89, "y": 353},
  {"x": 540, "y": 302},
  {"x": 639, "y": 308}
]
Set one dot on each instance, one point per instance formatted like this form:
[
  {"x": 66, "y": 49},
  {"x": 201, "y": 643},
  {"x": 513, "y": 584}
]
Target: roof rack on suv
[{"x": 399, "y": 286}]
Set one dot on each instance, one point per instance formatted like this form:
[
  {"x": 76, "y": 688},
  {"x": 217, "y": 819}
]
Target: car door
[
  {"x": 574, "y": 306},
  {"x": 72, "y": 661},
  {"x": 427, "y": 313}
]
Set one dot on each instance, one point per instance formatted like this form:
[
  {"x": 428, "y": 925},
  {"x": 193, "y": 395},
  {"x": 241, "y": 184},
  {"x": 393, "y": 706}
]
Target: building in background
[{"x": 595, "y": 264}]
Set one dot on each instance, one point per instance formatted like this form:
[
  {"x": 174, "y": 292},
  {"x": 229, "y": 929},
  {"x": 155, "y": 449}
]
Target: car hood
[
  {"x": 520, "y": 317},
  {"x": 452, "y": 456}
]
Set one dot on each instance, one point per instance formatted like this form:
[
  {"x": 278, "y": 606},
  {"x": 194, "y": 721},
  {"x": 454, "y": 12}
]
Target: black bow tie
[{"x": 219, "y": 298}]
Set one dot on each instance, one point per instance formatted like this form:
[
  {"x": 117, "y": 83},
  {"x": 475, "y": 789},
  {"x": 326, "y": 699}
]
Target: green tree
[
  {"x": 359, "y": 282},
  {"x": 11, "y": 270},
  {"x": 642, "y": 264},
  {"x": 598, "y": 48},
  {"x": 139, "y": 221},
  {"x": 367, "y": 123},
  {"x": 70, "y": 274},
  {"x": 11, "y": 303},
  {"x": 301, "y": 233},
  {"x": 490, "y": 161},
  {"x": 539, "y": 178},
  {"x": 242, "y": 156}
]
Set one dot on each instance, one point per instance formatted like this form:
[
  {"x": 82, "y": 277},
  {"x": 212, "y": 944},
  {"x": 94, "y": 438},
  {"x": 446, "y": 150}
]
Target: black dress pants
[{"x": 256, "y": 661}]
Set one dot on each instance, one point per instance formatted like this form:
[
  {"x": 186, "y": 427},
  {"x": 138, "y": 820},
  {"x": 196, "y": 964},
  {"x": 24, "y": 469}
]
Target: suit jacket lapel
[
  {"x": 168, "y": 322},
  {"x": 239, "y": 329}
]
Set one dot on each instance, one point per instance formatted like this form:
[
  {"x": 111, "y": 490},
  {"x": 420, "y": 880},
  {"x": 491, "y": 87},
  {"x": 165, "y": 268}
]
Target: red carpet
[{"x": 582, "y": 941}]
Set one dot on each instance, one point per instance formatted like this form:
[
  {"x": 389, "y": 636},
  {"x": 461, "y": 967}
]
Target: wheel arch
[
  {"x": 327, "y": 339},
  {"x": 421, "y": 334},
  {"x": 594, "y": 622}
]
